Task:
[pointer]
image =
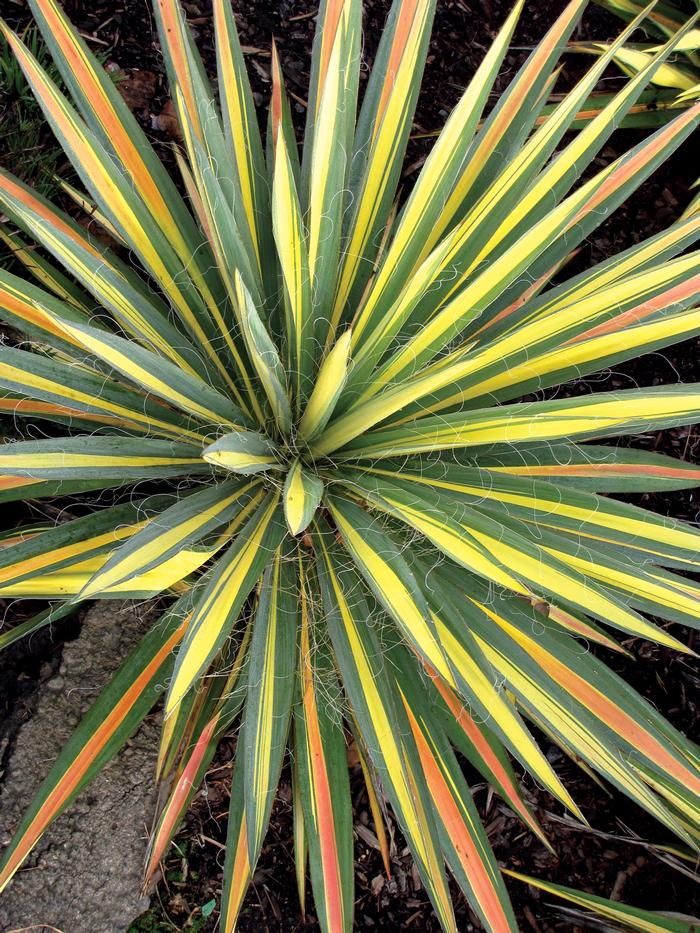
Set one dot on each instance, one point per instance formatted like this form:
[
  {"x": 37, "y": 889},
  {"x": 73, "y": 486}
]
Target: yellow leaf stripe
[
  {"x": 291, "y": 249},
  {"x": 327, "y": 388},
  {"x": 272, "y": 672},
  {"x": 368, "y": 349},
  {"x": 178, "y": 799},
  {"x": 224, "y": 237},
  {"x": 390, "y": 121},
  {"x": 30, "y": 407},
  {"x": 302, "y": 494},
  {"x": 144, "y": 372},
  {"x": 510, "y": 425},
  {"x": 565, "y": 722},
  {"x": 512, "y": 104},
  {"x": 326, "y": 143},
  {"x": 592, "y": 512},
  {"x": 579, "y": 148},
  {"x": 624, "y": 917},
  {"x": 113, "y": 127},
  {"x": 444, "y": 325},
  {"x": 177, "y": 731},
  {"x": 593, "y": 348},
  {"x": 65, "y": 460},
  {"x": 635, "y": 584},
  {"x": 35, "y": 382},
  {"x": 211, "y": 614},
  {"x": 265, "y": 713},
  {"x": 242, "y": 452},
  {"x": 453, "y": 539},
  {"x": 20, "y": 303},
  {"x": 150, "y": 557},
  {"x": 631, "y": 730},
  {"x": 69, "y": 582},
  {"x": 393, "y": 593},
  {"x": 85, "y": 152},
  {"x": 488, "y": 553},
  {"x": 56, "y": 556},
  {"x": 627, "y": 168},
  {"x": 393, "y": 752},
  {"x": 572, "y": 588},
  {"x": 91, "y": 209},
  {"x": 477, "y": 292},
  {"x": 606, "y": 275},
  {"x": 41, "y": 269},
  {"x": 504, "y": 186},
  {"x": 237, "y": 116},
  {"x": 94, "y": 268},
  {"x": 505, "y": 719},
  {"x": 238, "y": 870},
  {"x": 578, "y": 346},
  {"x": 472, "y": 730},
  {"x": 420, "y": 206}
]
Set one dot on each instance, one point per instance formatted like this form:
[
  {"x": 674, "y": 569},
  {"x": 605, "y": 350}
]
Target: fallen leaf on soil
[
  {"x": 138, "y": 88},
  {"x": 166, "y": 121}
]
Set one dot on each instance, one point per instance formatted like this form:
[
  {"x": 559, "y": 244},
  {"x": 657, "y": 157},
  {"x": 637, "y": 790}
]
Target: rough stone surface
[{"x": 85, "y": 875}]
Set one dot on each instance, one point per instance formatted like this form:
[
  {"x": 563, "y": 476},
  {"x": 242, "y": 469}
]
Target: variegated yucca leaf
[
  {"x": 675, "y": 86},
  {"x": 369, "y": 532}
]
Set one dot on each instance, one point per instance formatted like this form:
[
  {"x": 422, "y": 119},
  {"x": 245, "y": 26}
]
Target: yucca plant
[{"x": 363, "y": 543}]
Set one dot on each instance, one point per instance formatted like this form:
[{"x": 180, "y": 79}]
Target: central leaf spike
[
  {"x": 243, "y": 452},
  {"x": 302, "y": 494}
]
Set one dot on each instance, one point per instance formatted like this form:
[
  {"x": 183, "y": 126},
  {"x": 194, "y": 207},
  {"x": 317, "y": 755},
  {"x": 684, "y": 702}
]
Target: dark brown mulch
[{"x": 608, "y": 862}]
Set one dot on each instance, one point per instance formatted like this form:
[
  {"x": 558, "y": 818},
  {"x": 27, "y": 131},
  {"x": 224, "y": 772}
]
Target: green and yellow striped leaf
[
  {"x": 122, "y": 206},
  {"x": 591, "y": 467},
  {"x": 220, "y": 508},
  {"x": 44, "y": 271},
  {"x": 243, "y": 452},
  {"x": 193, "y": 742},
  {"x": 622, "y": 916},
  {"x": 265, "y": 357},
  {"x": 382, "y": 720},
  {"x": 605, "y": 414},
  {"x": 380, "y": 142},
  {"x": 241, "y": 129},
  {"x": 301, "y": 496},
  {"x": 389, "y": 578},
  {"x": 271, "y": 677},
  {"x": 102, "y": 274},
  {"x": 328, "y": 385},
  {"x": 325, "y": 168},
  {"x": 40, "y": 553},
  {"x": 223, "y": 597},
  {"x": 288, "y": 227},
  {"x": 101, "y": 458},
  {"x": 238, "y": 869},
  {"x": 158, "y": 376}
]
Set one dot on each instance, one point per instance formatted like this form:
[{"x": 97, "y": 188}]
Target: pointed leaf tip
[
  {"x": 302, "y": 494},
  {"x": 243, "y": 452}
]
